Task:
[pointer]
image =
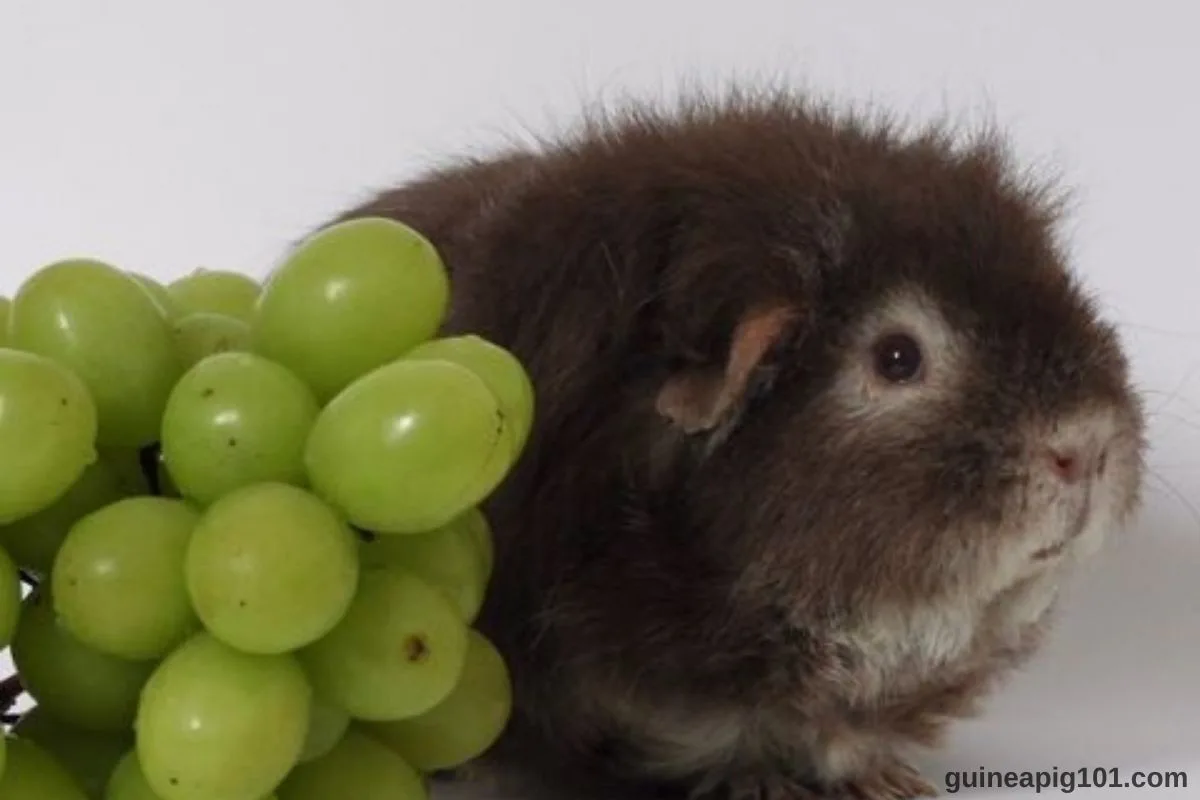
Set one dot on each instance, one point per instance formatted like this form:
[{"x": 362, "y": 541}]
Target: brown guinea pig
[{"x": 823, "y": 421}]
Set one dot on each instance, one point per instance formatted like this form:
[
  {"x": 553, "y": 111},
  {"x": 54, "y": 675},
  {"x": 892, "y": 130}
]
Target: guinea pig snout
[
  {"x": 1078, "y": 452},
  {"x": 1074, "y": 463}
]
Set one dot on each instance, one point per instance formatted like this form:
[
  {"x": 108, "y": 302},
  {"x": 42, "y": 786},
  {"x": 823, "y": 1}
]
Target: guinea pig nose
[
  {"x": 1064, "y": 462},
  {"x": 1072, "y": 464}
]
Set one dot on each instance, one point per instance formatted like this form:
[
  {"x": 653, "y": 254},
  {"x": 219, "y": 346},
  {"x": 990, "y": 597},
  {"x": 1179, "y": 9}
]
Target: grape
[
  {"x": 464, "y": 725},
  {"x": 475, "y": 521},
  {"x": 10, "y": 598},
  {"x": 118, "y": 582},
  {"x": 87, "y": 756},
  {"x": 358, "y": 767},
  {"x": 396, "y": 653},
  {"x": 5, "y": 305},
  {"x": 30, "y": 773},
  {"x": 215, "y": 291},
  {"x": 34, "y": 541},
  {"x": 327, "y": 724},
  {"x": 158, "y": 293},
  {"x": 75, "y": 683},
  {"x": 233, "y": 420},
  {"x": 3, "y": 753},
  {"x": 271, "y": 568},
  {"x": 448, "y": 558},
  {"x": 101, "y": 324},
  {"x": 352, "y": 298},
  {"x": 499, "y": 369},
  {"x": 200, "y": 335},
  {"x": 399, "y": 451},
  {"x": 47, "y": 432},
  {"x": 128, "y": 782},
  {"x": 219, "y": 724}
]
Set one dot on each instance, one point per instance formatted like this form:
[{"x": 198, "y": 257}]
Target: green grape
[
  {"x": 128, "y": 782},
  {"x": 30, "y": 773},
  {"x": 158, "y": 293},
  {"x": 218, "y": 724},
  {"x": 118, "y": 583},
  {"x": 271, "y": 568},
  {"x": 98, "y": 322},
  {"x": 464, "y": 725},
  {"x": 75, "y": 683},
  {"x": 493, "y": 473},
  {"x": 357, "y": 767},
  {"x": 481, "y": 530},
  {"x": 166, "y": 482},
  {"x": 10, "y": 598},
  {"x": 3, "y": 753},
  {"x": 399, "y": 451},
  {"x": 5, "y": 305},
  {"x": 233, "y": 420},
  {"x": 47, "y": 432},
  {"x": 33, "y": 542},
  {"x": 499, "y": 369},
  {"x": 203, "y": 334},
  {"x": 396, "y": 653},
  {"x": 88, "y": 756},
  {"x": 327, "y": 724},
  {"x": 352, "y": 298},
  {"x": 448, "y": 558},
  {"x": 215, "y": 291}
]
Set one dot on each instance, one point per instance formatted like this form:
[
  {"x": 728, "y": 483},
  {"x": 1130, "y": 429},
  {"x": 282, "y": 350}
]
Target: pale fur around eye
[{"x": 862, "y": 391}]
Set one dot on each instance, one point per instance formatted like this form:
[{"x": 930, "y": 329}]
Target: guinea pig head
[{"x": 915, "y": 400}]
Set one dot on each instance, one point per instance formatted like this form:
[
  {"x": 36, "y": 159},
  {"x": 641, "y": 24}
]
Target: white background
[{"x": 163, "y": 136}]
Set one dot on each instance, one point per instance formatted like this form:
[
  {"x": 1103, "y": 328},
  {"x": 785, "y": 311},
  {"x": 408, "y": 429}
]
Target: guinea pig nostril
[{"x": 1066, "y": 464}]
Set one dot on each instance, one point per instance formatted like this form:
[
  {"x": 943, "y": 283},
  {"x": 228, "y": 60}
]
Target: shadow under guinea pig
[{"x": 1117, "y": 687}]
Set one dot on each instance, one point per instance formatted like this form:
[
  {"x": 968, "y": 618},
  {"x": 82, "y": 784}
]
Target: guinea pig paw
[{"x": 895, "y": 780}]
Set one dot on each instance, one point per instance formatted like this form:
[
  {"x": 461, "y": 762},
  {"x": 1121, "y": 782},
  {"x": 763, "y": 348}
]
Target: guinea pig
[{"x": 824, "y": 420}]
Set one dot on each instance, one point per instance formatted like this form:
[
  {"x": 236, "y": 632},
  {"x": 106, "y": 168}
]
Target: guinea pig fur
[{"x": 824, "y": 420}]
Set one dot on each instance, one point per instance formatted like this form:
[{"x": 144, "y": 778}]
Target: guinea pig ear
[{"x": 697, "y": 400}]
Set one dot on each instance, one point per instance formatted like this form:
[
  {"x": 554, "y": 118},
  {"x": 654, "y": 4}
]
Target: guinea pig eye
[{"x": 898, "y": 358}]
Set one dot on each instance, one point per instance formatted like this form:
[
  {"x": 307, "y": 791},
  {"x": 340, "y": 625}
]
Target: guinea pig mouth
[
  {"x": 1073, "y": 532},
  {"x": 1050, "y": 551}
]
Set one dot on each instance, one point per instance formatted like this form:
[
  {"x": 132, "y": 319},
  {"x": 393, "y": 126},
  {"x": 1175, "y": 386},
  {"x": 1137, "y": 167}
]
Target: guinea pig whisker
[
  {"x": 1180, "y": 418},
  {"x": 1174, "y": 394},
  {"x": 1172, "y": 491}
]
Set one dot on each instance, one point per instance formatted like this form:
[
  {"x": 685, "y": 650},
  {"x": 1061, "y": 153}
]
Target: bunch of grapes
[{"x": 248, "y": 517}]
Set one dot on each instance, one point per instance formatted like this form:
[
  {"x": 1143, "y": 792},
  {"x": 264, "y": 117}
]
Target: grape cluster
[{"x": 249, "y": 518}]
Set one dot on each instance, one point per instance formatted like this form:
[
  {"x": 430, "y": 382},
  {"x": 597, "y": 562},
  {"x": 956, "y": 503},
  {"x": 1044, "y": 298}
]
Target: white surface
[{"x": 166, "y": 135}]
